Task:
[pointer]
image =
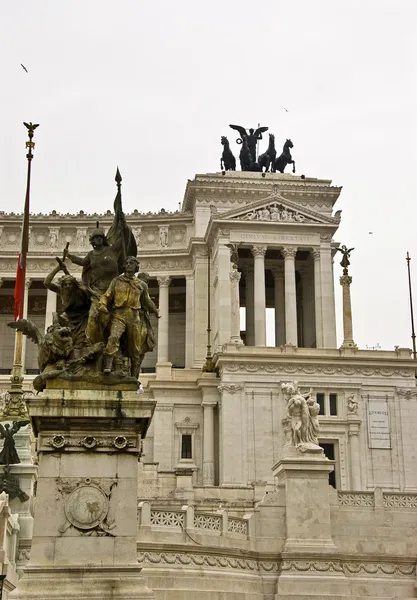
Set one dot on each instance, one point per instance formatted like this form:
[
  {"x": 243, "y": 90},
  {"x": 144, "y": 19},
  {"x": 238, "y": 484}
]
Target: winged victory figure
[{"x": 252, "y": 137}]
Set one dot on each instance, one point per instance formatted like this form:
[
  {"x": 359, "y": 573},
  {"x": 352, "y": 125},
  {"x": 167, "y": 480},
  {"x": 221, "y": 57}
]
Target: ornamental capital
[
  {"x": 345, "y": 280},
  {"x": 164, "y": 280},
  {"x": 316, "y": 253},
  {"x": 258, "y": 250},
  {"x": 289, "y": 252}
]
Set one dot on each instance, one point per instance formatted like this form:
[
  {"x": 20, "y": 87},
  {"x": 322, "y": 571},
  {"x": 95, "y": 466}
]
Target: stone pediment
[{"x": 276, "y": 208}]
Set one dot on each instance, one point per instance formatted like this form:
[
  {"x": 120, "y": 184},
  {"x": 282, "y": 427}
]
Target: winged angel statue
[
  {"x": 249, "y": 140},
  {"x": 9, "y": 455}
]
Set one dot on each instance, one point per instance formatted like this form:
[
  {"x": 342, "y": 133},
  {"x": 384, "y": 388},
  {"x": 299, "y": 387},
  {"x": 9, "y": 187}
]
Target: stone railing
[
  {"x": 186, "y": 519},
  {"x": 378, "y": 498},
  {"x": 9, "y": 529}
]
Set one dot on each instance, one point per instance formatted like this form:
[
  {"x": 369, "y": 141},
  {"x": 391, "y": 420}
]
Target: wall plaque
[{"x": 379, "y": 435}]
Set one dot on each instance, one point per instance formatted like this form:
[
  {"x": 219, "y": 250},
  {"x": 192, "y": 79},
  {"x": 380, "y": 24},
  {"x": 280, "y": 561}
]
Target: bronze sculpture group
[
  {"x": 249, "y": 161},
  {"x": 102, "y": 330}
]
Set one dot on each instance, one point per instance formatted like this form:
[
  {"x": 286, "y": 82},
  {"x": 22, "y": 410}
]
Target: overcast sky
[{"x": 151, "y": 87}]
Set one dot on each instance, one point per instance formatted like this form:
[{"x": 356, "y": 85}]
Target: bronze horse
[
  {"x": 227, "y": 160},
  {"x": 285, "y": 158},
  {"x": 267, "y": 159}
]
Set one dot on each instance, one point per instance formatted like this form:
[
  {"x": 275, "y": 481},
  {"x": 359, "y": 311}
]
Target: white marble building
[{"x": 215, "y": 511}]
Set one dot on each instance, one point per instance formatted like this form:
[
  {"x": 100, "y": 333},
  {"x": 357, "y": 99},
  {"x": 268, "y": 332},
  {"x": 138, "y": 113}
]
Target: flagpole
[
  {"x": 413, "y": 333},
  {"x": 15, "y": 406}
]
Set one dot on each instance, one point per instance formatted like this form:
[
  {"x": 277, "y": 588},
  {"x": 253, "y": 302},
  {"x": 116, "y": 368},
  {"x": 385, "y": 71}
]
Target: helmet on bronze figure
[{"x": 99, "y": 232}]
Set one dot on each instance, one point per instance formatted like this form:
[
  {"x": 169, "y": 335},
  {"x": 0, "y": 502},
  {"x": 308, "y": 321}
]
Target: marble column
[
  {"x": 223, "y": 302},
  {"x": 345, "y": 281},
  {"x": 189, "y": 321},
  {"x": 208, "y": 442},
  {"x": 235, "y": 307},
  {"x": 327, "y": 296},
  {"x": 51, "y": 299},
  {"x": 25, "y": 316},
  {"x": 290, "y": 296},
  {"x": 259, "y": 294},
  {"x": 163, "y": 322},
  {"x": 317, "y": 298},
  {"x": 250, "y": 330},
  {"x": 355, "y": 457},
  {"x": 279, "y": 304}
]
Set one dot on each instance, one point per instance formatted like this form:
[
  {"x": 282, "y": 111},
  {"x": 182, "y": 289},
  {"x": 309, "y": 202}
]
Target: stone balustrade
[{"x": 187, "y": 519}]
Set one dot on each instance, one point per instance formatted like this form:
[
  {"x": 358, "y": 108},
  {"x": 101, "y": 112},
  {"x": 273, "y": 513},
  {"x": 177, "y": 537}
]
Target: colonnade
[{"x": 319, "y": 315}]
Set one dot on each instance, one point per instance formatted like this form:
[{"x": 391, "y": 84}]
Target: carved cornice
[
  {"x": 256, "y": 565},
  {"x": 313, "y": 368},
  {"x": 209, "y": 560},
  {"x": 349, "y": 568}
]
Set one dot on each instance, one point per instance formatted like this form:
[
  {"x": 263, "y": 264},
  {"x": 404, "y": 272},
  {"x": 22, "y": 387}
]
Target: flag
[{"x": 19, "y": 288}]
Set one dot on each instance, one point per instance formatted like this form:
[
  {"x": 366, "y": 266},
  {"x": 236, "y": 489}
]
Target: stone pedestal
[
  {"x": 305, "y": 478},
  {"x": 308, "y": 529},
  {"x": 85, "y": 527}
]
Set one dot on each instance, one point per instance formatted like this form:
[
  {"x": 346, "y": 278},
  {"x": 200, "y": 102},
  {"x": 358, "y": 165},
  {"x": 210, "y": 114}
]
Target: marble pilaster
[
  {"x": 327, "y": 296},
  {"x": 355, "y": 457},
  {"x": 290, "y": 296},
  {"x": 189, "y": 321},
  {"x": 232, "y": 451},
  {"x": 223, "y": 295},
  {"x": 235, "y": 307},
  {"x": 163, "y": 322},
  {"x": 258, "y": 253},
  {"x": 317, "y": 298}
]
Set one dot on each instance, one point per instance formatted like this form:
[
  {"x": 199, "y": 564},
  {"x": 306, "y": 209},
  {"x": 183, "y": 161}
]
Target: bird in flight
[
  {"x": 23, "y": 67},
  {"x": 286, "y": 109}
]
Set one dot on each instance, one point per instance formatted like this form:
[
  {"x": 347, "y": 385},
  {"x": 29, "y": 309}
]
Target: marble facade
[{"x": 218, "y": 504}]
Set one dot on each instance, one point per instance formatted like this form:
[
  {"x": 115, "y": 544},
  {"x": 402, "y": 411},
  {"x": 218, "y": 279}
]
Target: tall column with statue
[{"x": 345, "y": 281}]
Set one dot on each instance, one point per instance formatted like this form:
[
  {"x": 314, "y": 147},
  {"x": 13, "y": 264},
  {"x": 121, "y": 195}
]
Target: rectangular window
[
  {"x": 320, "y": 400},
  {"x": 330, "y": 454},
  {"x": 186, "y": 446},
  {"x": 333, "y": 404}
]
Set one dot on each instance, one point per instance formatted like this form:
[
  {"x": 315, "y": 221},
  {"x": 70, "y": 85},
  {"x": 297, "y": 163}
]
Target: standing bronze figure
[
  {"x": 252, "y": 138},
  {"x": 345, "y": 262},
  {"x": 9, "y": 455}
]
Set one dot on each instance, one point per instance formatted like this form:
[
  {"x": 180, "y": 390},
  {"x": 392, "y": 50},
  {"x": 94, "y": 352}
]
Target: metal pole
[
  {"x": 15, "y": 406},
  {"x": 413, "y": 334}
]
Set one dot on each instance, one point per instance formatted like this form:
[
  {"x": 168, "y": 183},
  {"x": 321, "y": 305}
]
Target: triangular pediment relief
[{"x": 279, "y": 209}]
